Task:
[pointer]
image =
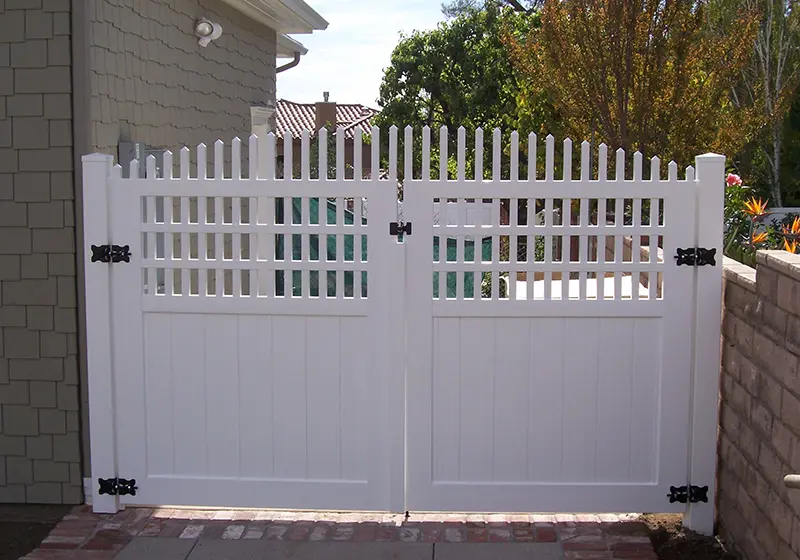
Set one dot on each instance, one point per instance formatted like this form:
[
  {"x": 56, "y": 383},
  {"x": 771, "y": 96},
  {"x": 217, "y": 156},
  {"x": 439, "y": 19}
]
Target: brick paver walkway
[{"x": 83, "y": 535}]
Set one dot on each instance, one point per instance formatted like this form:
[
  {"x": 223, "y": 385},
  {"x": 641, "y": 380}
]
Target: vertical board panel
[
  {"x": 158, "y": 386},
  {"x": 446, "y": 406},
  {"x": 324, "y": 405},
  {"x": 477, "y": 399},
  {"x": 222, "y": 386},
  {"x": 647, "y": 352},
  {"x": 354, "y": 396},
  {"x": 256, "y": 422},
  {"x": 580, "y": 399},
  {"x": 289, "y": 395},
  {"x": 614, "y": 403},
  {"x": 189, "y": 393},
  {"x": 546, "y": 399},
  {"x": 512, "y": 375}
]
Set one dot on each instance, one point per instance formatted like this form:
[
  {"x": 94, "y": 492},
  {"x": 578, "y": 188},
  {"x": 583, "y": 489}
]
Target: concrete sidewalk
[
  {"x": 184, "y": 534},
  {"x": 145, "y": 548}
]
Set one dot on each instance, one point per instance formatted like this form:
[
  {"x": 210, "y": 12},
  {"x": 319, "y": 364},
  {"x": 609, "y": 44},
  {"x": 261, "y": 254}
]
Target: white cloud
[{"x": 348, "y": 58}]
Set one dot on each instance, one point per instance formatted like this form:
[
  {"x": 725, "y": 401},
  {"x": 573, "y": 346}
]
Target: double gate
[{"x": 512, "y": 343}]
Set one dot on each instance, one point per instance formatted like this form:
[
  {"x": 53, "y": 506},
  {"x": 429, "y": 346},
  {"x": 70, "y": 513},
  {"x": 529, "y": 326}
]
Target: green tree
[{"x": 459, "y": 74}]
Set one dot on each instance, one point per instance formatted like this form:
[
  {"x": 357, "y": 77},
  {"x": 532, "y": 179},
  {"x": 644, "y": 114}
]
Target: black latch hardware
[
  {"x": 111, "y": 253},
  {"x": 690, "y": 494},
  {"x": 396, "y": 228},
  {"x": 117, "y": 486},
  {"x": 696, "y": 256}
]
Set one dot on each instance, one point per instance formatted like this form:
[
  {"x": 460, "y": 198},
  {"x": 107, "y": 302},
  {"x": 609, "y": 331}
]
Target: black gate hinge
[
  {"x": 690, "y": 494},
  {"x": 117, "y": 486},
  {"x": 111, "y": 253},
  {"x": 697, "y": 256},
  {"x": 396, "y": 228}
]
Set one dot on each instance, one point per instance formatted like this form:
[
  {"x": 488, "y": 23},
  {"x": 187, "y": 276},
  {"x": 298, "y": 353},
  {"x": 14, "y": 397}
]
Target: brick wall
[
  {"x": 39, "y": 422},
  {"x": 759, "y": 438},
  {"x": 152, "y": 82}
]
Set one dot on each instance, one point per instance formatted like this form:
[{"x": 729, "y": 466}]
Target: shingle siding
[{"x": 37, "y": 256}]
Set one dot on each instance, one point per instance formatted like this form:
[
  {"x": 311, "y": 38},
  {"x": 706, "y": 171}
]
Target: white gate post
[
  {"x": 96, "y": 172},
  {"x": 710, "y": 181}
]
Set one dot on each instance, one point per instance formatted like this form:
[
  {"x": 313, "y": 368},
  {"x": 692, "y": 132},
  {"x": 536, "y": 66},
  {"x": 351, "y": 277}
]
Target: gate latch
[
  {"x": 397, "y": 228},
  {"x": 111, "y": 253},
  {"x": 696, "y": 256},
  {"x": 117, "y": 486},
  {"x": 690, "y": 494}
]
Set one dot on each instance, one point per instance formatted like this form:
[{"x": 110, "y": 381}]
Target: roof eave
[
  {"x": 284, "y": 16},
  {"x": 288, "y": 47}
]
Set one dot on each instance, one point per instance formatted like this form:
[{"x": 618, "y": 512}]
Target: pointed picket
[
  {"x": 497, "y": 148},
  {"x": 672, "y": 171},
  {"x": 620, "y": 166},
  {"x": 150, "y": 164},
  {"x": 549, "y": 154},
  {"x": 637, "y": 165},
  {"x": 288, "y": 142},
  {"x": 133, "y": 169},
  {"x": 514, "y": 156},
  {"x": 236, "y": 158},
  {"x": 305, "y": 155},
  {"x": 202, "y": 161},
  {"x": 392, "y": 154},
  {"x": 185, "y": 157},
  {"x": 219, "y": 160},
  {"x": 408, "y": 153},
  {"x": 426, "y": 153},
  {"x": 269, "y": 155},
  {"x": 168, "y": 171},
  {"x": 252, "y": 157},
  {"x": 339, "y": 154},
  {"x": 602, "y": 162},
  {"x": 116, "y": 171},
  {"x": 443, "y": 133},
  {"x": 567, "y": 175},
  {"x": 376, "y": 153},
  {"x": 532, "y": 158},
  {"x": 322, "y": 138},
  {"x": 358, "y": 151},
  {"x": 479, "y": 154},
  {"x": 655, "y": 169},
  {"x": 586, "y": 170},
  {"x": 690, "y": 173},
  {"x": 461, "y": 152}
]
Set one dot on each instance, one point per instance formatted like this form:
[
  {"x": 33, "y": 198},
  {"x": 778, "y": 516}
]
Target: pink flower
[{"x": 733, "y": 180}]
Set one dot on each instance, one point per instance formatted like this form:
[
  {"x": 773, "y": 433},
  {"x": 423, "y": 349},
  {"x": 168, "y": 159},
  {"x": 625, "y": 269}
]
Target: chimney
[{"x": 325, "y": 112}]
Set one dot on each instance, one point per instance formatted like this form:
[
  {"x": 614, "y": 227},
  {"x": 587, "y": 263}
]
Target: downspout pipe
[{"x": 289, "y": 65}]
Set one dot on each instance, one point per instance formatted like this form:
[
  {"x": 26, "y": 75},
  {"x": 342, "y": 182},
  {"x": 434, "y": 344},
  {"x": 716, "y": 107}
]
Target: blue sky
[{"x": 348, "y": 58}]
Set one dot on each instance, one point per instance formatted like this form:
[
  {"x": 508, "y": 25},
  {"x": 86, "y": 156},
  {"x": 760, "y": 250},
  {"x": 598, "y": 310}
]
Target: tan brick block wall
[
  {"x": 759, "y": 435},
  {"x": 37, "y": 257}
]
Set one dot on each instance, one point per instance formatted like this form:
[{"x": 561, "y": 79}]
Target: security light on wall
[{"x": 207, "y": 32}]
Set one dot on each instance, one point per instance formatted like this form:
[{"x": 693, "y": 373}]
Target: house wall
[
  {"x": 151, "y": 82},
  {"x": 39, "y": 418},
  {"x": 759, "y": 435}
]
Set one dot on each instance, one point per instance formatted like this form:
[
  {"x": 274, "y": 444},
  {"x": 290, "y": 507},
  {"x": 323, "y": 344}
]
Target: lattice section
[
  {"x": 537, "y": 249},
  {"x": 269, "y": 247}
]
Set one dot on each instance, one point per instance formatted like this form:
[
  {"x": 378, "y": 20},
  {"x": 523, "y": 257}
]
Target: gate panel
[
  {"x": 251, "y": 343},
  {"x": 562, "y": 381}
]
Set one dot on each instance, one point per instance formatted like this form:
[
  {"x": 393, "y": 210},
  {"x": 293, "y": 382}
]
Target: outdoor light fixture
[{"x": 207, "y": 32}]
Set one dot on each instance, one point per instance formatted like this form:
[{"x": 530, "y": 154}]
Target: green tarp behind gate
[{"x": 349, "y": 241}]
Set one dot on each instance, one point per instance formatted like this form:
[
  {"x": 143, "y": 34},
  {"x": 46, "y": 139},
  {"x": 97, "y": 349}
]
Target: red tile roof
[{"x": 296, "y": 117}]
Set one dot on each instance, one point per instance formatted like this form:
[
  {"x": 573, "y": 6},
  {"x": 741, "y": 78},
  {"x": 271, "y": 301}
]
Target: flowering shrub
[{"x": 746, "y": 229}]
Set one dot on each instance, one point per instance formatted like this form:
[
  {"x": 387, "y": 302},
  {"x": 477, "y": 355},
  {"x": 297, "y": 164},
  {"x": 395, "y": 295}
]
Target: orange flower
[
  {"x": 794, "y": 229},
  {"x": 755, "y": 207},
  {"x": 759, "y": 237},
  {"x": 790, "y": 246}
]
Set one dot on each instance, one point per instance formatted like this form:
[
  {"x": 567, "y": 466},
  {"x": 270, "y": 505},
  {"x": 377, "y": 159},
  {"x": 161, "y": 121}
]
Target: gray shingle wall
[
  {"x": 39, "y": 422},
  {"x": 152, "y": 82}
]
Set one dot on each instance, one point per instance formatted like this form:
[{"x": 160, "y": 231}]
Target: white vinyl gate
[{"x": 532, "y": 344}]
